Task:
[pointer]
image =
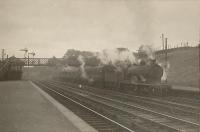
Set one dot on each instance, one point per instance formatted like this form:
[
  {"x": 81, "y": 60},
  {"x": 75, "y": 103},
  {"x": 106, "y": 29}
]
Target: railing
[
  {"x": 174, "y": 49},
  {"x": 35, "y": 61}
]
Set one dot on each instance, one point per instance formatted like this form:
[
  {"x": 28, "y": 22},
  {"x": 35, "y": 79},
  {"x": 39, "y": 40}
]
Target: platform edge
[{"x": 76, "y": 121}]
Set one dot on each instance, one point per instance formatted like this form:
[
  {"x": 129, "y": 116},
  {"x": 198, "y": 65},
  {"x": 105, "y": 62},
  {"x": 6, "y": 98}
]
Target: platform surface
[
  {"x": 24, "y": 109},
  {"x": 185, "y": 88}
]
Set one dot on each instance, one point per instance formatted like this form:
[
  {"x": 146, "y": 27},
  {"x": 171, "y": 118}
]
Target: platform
[
  {"x": 185, "y": 88},
  {"x": 23, "y": 108}
]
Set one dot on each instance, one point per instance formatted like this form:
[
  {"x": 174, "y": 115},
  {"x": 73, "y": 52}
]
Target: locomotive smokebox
[{"x": 146, "y": 73}]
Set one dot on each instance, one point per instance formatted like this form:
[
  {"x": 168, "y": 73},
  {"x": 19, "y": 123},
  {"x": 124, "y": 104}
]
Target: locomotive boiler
[{"x": 146, "y": 73}]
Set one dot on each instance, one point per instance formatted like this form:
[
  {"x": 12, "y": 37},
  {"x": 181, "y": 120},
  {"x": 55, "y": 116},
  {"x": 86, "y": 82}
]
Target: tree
[
  {"x": 53, "y": 61},
  {"x": 71, "y": 58},
  {"x": 71, "y": 52},
  {"x": 92, "y": 61},
  {"x": 121, "y": 49}
]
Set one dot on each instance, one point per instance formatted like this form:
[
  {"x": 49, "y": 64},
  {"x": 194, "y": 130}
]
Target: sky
[{"x": 50, "y": 27}]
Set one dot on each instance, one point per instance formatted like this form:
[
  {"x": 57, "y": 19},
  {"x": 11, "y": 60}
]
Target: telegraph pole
[
  {"x": 199, "y": 60},
  {"x": 25, "y": 53},
  {"x": 166, "y": 50},
  {"x": 163, "y": 43},
  {"x": 199, "y": 64},
  {"x": 166, "y": 55},
  {"x": 3, "y": 54}
]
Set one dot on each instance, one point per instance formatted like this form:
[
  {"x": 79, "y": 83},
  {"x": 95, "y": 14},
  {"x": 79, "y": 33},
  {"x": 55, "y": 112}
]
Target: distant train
[{"x": 142, "y": 78}]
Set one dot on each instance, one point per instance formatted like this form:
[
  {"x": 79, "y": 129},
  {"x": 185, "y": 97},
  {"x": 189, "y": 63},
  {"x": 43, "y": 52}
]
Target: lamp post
[
  {"x": 25, "y": 53},
  {"x": 31, "y": 53}
]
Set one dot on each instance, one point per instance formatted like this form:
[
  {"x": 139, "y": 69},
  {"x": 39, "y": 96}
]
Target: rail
[{"x": 162, "y": 120}]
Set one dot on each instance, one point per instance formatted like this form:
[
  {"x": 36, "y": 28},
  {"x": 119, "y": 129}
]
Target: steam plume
[
  {"x": 82, "y": 67},
  {"x": 148, "y": 50},
  {"x": 165, "y": 71},
  {"x": 83, "y": 73},
  {"x": 165, "y": 66}
]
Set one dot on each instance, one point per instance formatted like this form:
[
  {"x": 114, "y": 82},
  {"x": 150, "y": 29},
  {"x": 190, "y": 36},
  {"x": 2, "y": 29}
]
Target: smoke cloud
[
  {"x": 148, "y": 50},
  {"x": 120, "y": 58}
]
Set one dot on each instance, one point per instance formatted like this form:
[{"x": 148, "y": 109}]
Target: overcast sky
[{"x": 50, "y": 27}]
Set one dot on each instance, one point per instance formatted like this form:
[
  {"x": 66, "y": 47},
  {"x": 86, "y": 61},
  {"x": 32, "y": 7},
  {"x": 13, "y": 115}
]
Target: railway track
[
  {"x": 192, "y": 102},
  {"x": 100, "y": 122},
  {"x": 169, "y": 101},
  {"x": 170, "y": 105},
  {"x": 133, "y": 116}
]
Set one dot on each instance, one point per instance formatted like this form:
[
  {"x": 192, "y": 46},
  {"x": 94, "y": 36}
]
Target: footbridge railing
[{"x": 35, "y": 61}]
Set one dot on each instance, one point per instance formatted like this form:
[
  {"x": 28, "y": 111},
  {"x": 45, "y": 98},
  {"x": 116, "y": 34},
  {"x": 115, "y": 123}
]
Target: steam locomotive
[{"x": 138, "y": 78}]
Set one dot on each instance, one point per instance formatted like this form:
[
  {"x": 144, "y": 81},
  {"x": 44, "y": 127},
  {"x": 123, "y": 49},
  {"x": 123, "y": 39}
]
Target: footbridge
[
  {"x": 12, "y": 68},
  {"x": 37, "y": 61}
]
